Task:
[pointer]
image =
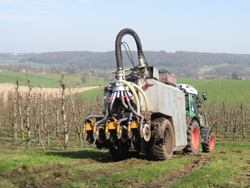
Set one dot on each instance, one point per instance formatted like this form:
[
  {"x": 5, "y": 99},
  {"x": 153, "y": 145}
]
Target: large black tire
[
  {"x": 210, "y": 145},
  {"x": 193, "y": 138},
  {"x": 114, "y": 152},
  {"x": 161, "y": 149},
  {"x": 117, "y": 156}
]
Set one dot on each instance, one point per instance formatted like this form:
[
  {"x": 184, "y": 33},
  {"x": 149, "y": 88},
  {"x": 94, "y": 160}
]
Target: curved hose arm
[
  {"x": 118, "y": 41},
  {"x": 118, "y": 51},
  {"x": 134, "y": 93},
  {"x": 143, "y": 94}
]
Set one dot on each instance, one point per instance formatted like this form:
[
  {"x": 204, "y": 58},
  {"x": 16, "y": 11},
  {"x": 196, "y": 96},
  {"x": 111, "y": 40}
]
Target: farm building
[{"x": 22, "y": 70}]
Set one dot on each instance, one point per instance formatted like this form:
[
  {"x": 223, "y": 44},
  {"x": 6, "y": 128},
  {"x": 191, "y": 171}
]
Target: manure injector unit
[{"x": 147, "y": 112}]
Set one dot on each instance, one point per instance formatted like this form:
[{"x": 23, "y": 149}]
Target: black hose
[
  {"x": 92, "y": 116},
  {"x": 118, "y": 51},
  {"x": 134, "y": 112},
  {"x": 130, "y": 118},
  {"x": 121, "y": 120},
  {"x": 123, "y": 101},
  {"x": 112, "y": 102}
]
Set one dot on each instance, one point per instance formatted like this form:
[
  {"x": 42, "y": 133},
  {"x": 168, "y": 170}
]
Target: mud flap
[{"x": 205, "y": 130}]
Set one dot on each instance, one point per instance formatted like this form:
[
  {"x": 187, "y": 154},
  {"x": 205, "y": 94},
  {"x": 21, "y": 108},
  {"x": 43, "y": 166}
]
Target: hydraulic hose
[
  {"x": 130, "y": 118},
  {"x": 123, "y": 101},
  {"x": 142, "y": 92},
  {"x": 134, "y": 93},
  {"x": 105, "y": 116},
  {"x": 121, "y": 120},
  {"x": 112, "y": 101},
  {"x": 134, "y": 112},
  {"x": 92, "y": 116}
]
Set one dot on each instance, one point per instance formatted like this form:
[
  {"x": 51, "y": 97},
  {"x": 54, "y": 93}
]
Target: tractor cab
[{"x": 192, "y": 101}]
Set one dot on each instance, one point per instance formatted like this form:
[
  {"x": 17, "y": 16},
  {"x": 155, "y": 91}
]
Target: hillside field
[
  {"x": 48, "y": 80},
  {"x": 230, "y": 91},
  {"x": 227, "y": 90}
]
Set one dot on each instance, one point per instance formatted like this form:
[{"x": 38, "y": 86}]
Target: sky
[{"x": 217, "y": 26}]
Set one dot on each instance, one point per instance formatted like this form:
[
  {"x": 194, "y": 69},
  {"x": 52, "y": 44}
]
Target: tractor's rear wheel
[
  {"x": 210, "y": 145},
  {"x": 193, "y": 138},
  {"x": 161, "y": 149}
]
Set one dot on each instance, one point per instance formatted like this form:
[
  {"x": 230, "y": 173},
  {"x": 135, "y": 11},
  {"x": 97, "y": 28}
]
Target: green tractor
[{"x": 198, "y": 133}]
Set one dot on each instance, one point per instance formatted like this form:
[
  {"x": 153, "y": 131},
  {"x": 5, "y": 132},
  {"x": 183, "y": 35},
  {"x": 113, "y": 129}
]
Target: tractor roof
[{"x": 187, "y": 88}]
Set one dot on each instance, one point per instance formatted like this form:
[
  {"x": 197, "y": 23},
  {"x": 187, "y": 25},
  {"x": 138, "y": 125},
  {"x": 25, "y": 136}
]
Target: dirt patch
[
  {"x": 56, "y": 178},
  {"x": 198, "y": 162},
  {"x": 25, "y": 169},
  {"x": 55, "y": 91}
]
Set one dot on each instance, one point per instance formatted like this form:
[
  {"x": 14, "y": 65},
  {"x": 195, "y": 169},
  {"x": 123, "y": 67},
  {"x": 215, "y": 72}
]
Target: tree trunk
[
  {"x": 66, "y": 136},
  {"x": 27, "y": 114}
]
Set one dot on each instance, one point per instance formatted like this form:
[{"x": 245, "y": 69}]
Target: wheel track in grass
[
  {"x": 23, "y": 176},
  {"x": 106, "y": 168},
  {"x": 197, "y": 162}
]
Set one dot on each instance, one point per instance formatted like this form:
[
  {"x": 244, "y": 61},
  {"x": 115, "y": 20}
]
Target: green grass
[
  {"x": 230, "y": 91},
  {"x": 92, "y": 93},
  {"x": 227, "y": 170},
  {"x": 227, "y": 167},
  {"x": 47, "y": 80}
]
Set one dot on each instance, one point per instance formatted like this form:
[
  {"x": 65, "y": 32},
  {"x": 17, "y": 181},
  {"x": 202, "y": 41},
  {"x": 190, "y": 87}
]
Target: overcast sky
[{"x": 219, "y": 26}]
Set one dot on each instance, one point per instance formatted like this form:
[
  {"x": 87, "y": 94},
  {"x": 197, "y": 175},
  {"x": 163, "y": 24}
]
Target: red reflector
[
  {"x": 179, "y": 98},
  {"x": 186, "y": 119},
  {"x": 106, "y": 88},
  {"x": 147, "y": 85},
  {"x": 187, "y": 86}
]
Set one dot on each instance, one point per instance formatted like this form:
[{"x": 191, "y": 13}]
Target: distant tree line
[{"x": 180, "y": 62}]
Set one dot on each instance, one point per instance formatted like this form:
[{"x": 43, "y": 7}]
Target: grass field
[
  {"x": 208, "y": 68},
  {"x": 93, "y": 92},
  {"x": 16, "y": 61},
  {"x": 230, "y": 91},
  {"x": 48, "y": 80},
  {"x": 83, "y": 167}
]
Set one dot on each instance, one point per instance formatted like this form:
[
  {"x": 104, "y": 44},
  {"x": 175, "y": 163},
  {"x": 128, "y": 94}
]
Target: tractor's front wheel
[
  {"x": 210, "y": 145},
  {"x": 193, "y": 138}
]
